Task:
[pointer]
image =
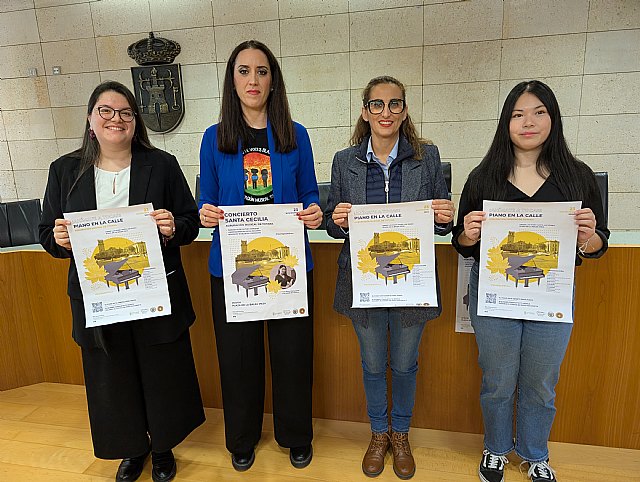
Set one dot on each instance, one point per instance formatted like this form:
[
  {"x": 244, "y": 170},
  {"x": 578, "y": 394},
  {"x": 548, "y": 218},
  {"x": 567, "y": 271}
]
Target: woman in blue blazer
[{"x": 257, "y": 155}]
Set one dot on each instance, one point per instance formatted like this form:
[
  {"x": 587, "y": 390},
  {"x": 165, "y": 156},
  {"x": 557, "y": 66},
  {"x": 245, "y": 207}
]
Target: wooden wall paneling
[
  {"x": 46, "y": 281},
  {"x": 19, "y": 356},
  {"x": 448, "y": 389},
  {"x": 338, "y": 390},
  {"x": 598, "y": 396},
  {"x": 195, "y": 259}
]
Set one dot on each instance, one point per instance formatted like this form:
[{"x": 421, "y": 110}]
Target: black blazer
[{"x": 157, "y": 178}]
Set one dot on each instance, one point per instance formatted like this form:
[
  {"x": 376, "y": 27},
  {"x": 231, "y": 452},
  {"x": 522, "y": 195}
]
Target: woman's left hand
[
  {"x": 165, "y": 222},
  {"x": 443, "y": 210},
  {"x": 586, "y": 221},
  {"x": 311, "y": 216}
]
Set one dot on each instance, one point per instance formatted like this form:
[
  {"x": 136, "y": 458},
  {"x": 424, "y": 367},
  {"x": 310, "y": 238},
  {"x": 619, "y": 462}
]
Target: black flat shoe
[
  {"x": 243, "y": 460},
  {"x": 300, "y": 457},
  {"x": 131, "y": 468},
  {"x": 164, "y": 466}
]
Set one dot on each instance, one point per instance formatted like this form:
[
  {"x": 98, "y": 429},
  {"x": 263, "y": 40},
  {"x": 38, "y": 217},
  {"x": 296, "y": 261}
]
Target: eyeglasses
[
  {"x": 376, "y": 106},
  {"x": 107, "y": 113}
]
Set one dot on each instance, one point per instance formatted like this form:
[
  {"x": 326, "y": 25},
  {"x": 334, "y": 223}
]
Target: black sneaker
[
  {"x": 492, "y": 467},
  {"x": 541, "y": 472}
]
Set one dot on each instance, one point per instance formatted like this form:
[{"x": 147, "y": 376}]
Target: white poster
[
  {"x": 263, "y": 262},
  {"x": 527, "y": 261},
  {"x": 392, "y": 255},
  {"x": 119, "y": 262},
  {"x": 463, "y": 320}
]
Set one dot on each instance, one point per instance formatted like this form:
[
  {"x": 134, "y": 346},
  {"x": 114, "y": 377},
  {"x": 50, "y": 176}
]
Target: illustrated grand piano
[
  {"x": 243, "y": 277},
  {"x": 391, "y": 270},
  {"x": 519, "y": 272},
  {"x": 119, "y": 276}
]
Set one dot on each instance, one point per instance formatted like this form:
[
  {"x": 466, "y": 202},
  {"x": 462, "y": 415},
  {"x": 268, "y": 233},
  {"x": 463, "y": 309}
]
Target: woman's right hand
[
  {"x": 340, "y": 215},
  {"x": 61, "y": 233},
  {"x": 472, "y": 228},
  {"x": 210, "y": 215}
]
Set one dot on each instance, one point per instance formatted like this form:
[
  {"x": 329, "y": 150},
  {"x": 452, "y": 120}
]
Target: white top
[{"x": 112, "y": 188}]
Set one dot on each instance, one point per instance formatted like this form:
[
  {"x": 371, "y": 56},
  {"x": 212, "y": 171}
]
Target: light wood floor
[{"x": 44, "y": 436}]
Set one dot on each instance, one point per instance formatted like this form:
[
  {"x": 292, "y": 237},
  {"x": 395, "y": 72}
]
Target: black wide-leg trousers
[
  {"x": 137, "y": 392},
  {"x": 241, "y": 357}
]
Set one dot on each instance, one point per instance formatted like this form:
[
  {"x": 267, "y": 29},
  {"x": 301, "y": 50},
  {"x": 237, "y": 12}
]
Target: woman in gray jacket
[{"x": 387, "y": 162}]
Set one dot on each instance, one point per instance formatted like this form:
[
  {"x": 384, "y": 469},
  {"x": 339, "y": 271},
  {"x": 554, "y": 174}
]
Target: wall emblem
[{"x": 157, "y": 82}]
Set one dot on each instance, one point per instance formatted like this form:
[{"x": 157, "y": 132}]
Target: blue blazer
[{"x": 222, "y": 180}]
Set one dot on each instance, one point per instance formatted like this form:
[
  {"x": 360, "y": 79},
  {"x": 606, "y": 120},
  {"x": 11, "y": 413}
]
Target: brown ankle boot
[
  {"x": 403, "y": 464},
  {"x": 373, "y": 461}
]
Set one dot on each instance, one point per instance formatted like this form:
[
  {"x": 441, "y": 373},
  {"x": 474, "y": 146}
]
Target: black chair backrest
[
  {"x": 5, "y": 239},
  {"x": 603, "y": 184},
  {"x": 446, "y": 172},
  {"x": 19, "y": 222},
  {"x": 323, "y": 189}
]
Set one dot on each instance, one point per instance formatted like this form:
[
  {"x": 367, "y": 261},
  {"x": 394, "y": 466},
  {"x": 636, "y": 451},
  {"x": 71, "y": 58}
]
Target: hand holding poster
[
  {"x": 263, "y": 262},
  {"x": 120, "y": 266},
  {"x": 392, "y": 255},
  {"x": 527, "y": 261}
]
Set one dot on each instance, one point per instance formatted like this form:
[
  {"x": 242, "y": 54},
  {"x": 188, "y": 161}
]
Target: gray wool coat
[{"x": 422, "y": 179}]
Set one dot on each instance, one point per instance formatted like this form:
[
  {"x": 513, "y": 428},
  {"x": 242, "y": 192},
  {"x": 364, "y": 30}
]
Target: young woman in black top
[{"x": 528, "y": 161}]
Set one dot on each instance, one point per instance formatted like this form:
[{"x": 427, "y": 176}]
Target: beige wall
[{"x": 458, "y": 58}]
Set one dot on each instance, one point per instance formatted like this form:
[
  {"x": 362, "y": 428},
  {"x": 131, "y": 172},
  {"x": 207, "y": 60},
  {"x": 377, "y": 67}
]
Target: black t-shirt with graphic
[{"x": 258, "y": 188}]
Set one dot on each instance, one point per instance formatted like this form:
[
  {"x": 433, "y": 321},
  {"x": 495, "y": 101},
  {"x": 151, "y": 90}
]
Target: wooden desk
[{"x": 598, "y": 394}]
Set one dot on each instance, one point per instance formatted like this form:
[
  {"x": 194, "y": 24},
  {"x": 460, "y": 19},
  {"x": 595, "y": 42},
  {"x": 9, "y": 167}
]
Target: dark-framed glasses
[
  {"x": 376, "y": 106},
  {"x": 108, "y": 113}
]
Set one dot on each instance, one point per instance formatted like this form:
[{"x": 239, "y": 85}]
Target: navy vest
[{"x": 376, "y": 186}]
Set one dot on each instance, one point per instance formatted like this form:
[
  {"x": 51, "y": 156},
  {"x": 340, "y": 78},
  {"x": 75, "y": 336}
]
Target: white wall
[{"x": 458, "y": 59}]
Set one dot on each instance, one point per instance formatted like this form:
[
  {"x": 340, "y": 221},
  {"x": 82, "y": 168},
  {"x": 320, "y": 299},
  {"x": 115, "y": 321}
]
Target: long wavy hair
[
  {"x": 232, "y": 125},
  {"x": 362, "y": 130},
  {"x": 90, "y": 150},
  {"x": 488, "y": 179}
]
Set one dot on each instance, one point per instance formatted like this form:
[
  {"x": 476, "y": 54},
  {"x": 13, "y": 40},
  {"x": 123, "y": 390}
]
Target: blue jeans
[
  {"x": 404, "y": 368},
  {"x": 517, "y": 355}
]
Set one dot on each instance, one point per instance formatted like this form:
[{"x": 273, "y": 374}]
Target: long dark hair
[
  {"x": 488, "y": 179},
  {"x": 232, "y": 125},
  {"x": 362, "y": 130},
  {"x": 90, "y": 150}
]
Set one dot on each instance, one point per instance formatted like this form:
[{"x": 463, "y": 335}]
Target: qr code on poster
[
  {"x": 490, "y": 298},
  {"x": 364, "y": 297},
  {"x": 96, "y": 307}
]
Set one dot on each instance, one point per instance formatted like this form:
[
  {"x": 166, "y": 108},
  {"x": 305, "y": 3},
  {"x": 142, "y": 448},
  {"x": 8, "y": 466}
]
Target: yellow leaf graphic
[
  {"x": 496, "y": 263},
  {"x": 290, "y": 260},
  {"x": 94, "y": 272},
  {"x": 366, "y": 264},
  {"x": 274, "y": 286}
]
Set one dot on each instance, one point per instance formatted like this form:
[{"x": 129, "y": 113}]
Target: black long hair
[
  {"x": 232, "y": 125},
  {"x": 488, "y": 180},
  {"x": 90, "y": 150}
]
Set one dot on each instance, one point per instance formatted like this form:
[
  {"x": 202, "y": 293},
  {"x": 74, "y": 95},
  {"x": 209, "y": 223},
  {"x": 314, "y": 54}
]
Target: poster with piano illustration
[
  {"x": 120, "y": 266},
  {"x": 527, "y": 261},
  {"x": 392, "y": 255},
  {"x": 263, "y": 262}
]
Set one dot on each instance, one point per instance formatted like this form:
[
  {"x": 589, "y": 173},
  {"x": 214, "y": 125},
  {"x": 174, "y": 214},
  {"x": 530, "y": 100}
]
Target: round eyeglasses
[
  {"x": 376, "y": 106},
  {"x": 108, "y": 113}
]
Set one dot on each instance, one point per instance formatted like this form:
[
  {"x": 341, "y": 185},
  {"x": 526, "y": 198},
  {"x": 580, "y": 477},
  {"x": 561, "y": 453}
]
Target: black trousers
[
  {"x": 137, "y": 391},
  {"x": 241, "y": 356}
]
